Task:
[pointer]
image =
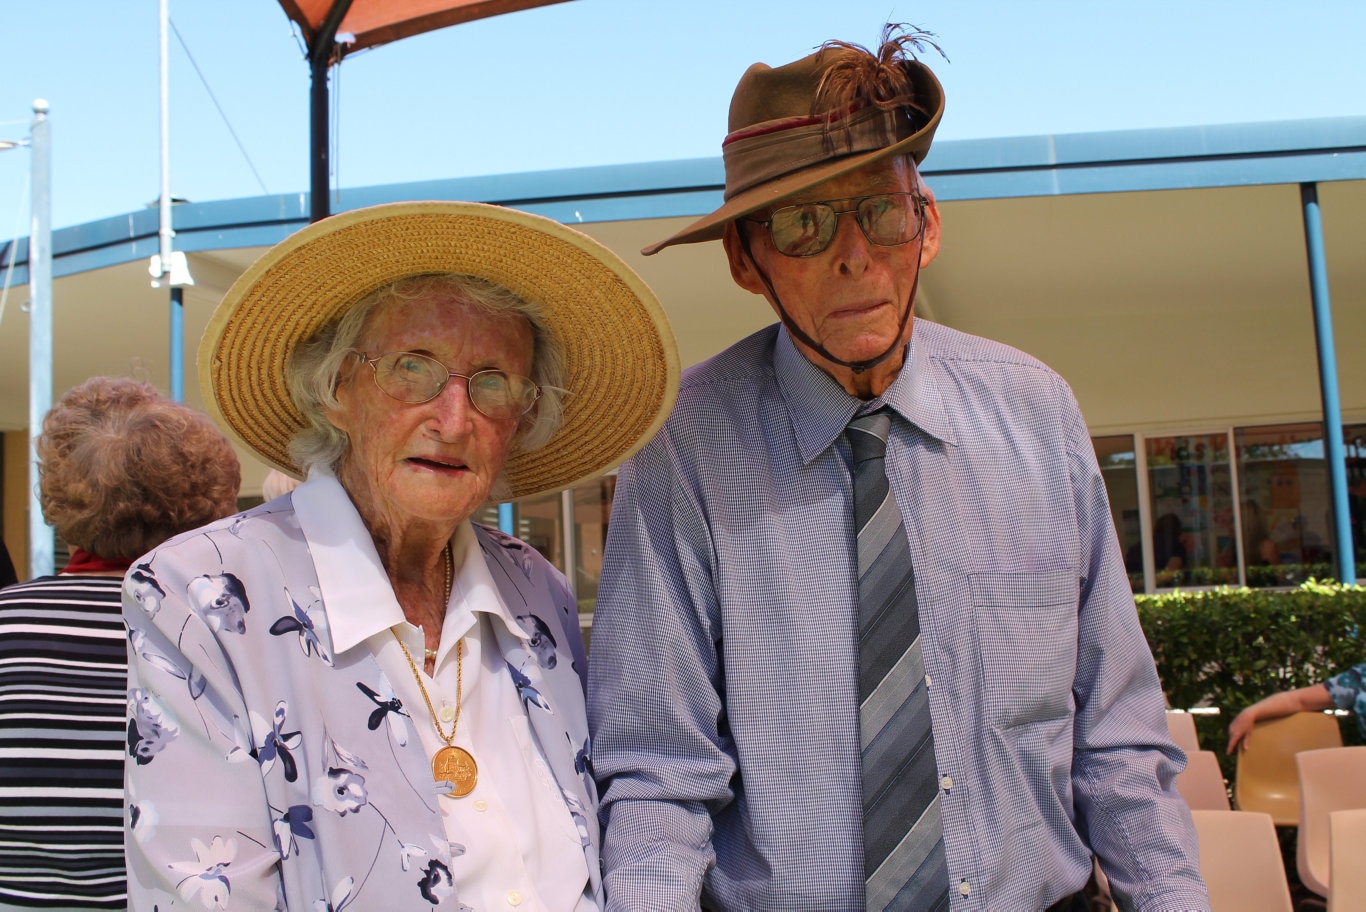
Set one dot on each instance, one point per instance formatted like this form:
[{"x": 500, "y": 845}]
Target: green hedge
[{"x": 1231, "y": 647}]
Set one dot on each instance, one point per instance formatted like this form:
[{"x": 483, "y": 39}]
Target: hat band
[{"x": 763, "y": 153}]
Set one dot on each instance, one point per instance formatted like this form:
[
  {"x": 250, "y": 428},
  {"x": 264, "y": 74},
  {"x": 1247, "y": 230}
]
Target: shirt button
[
  {"x": 481, "y": 805},
  {"x": 515, "y": 898},
  {"x": 964, "y": 889},
  {"x": 447, "y": 712},
  {"x": 946, "y": 783},
  {"x": 928, "y": 683}
]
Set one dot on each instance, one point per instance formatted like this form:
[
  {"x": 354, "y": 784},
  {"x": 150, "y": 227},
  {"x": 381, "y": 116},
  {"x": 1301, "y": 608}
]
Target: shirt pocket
[{"x": 1027, "y": 630}]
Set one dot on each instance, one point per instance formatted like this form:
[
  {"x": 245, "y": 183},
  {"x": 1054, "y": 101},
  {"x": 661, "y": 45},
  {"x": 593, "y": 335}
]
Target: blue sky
[{"x": 593, "y": 82}]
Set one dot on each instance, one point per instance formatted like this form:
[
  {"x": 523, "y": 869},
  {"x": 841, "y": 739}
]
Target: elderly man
[{"x": 864, "y": 637}]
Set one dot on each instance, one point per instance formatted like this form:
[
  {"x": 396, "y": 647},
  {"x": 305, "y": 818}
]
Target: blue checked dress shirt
[{"x": 722, "y": 687}]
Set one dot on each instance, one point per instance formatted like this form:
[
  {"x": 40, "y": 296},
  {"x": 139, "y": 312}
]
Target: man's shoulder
[
  {"x": 736, "y": 377},
  {"x": 941, "y": 343},
  {"x": 748, "y": 361}
]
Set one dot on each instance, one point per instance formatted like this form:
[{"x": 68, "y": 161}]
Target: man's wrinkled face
[{"x": 850, "y": 297}]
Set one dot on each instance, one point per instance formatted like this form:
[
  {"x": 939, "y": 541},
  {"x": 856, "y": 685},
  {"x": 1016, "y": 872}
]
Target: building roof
[{"x": 1163, "y": 272}]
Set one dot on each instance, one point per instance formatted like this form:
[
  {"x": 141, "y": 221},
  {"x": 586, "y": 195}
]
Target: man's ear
[
  {"x": 741, "y": 264},
  {"x": 929, "y": 246}
]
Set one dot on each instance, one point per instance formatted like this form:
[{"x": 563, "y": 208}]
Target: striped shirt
[{"x": 63, "y": 669}]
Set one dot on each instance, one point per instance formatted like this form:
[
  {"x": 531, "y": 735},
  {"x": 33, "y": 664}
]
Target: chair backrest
[
  {"x": 1181, "y": 725},
  {"x": 1241, "y": 862},
  {"x": 1333, "y": 779},
  {"x": 1266, "y": 779},
  {"x": 1201, "y": 783},
  {"x": 1347, "y": 835}
]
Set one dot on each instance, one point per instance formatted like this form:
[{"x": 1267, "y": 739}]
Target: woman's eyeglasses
[
  {"x": 410, "y": 377},
  {"x": 806, "y": 229}
]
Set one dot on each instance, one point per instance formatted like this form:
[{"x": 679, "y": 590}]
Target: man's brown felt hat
[{"x": 777, "y": 147}]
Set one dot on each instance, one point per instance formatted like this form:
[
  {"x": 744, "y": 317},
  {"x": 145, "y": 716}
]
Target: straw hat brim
[{"x": 621, "y": 354}]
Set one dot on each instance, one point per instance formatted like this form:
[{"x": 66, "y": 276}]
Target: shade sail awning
[
  {"x": 370, "y": 23},
  {"x": 333, "y": 29}
]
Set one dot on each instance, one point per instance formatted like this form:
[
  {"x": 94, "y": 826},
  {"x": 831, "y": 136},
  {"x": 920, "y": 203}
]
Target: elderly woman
[
  {"x": 353, "y": 696},
  {"x": 121, "y": 469}
]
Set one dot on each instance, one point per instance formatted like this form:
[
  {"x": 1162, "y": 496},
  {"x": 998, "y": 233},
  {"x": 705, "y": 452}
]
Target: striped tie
[{"x": 903, "y": 836}]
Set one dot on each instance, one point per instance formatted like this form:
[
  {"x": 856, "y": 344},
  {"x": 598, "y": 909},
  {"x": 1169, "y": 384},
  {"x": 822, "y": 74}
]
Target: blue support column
[
  {"x": 505, "y": 519},
  {"x": 177, "y": 333},
  {"x": 1335, "y": 452}
]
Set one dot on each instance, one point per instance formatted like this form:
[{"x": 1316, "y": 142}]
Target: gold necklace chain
[
  {"x": 459, "y": 675},
  {"x": 451, "y": 764},
  {"x": 459, "y": 661}
]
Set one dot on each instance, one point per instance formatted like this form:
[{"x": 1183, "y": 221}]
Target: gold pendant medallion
[{"x": 455, "y": 765}]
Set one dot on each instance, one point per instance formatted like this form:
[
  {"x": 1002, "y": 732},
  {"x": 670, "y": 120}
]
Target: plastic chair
[
  {"x": 1181, "y": 725},
  {"x": 1201, "y": 783},
  {"x": 1331, "y": 780},
  {"x": 1240, "y": 860},
  {"x": 1266, "y": 779},
  {"x": 1347, "y": 837}
]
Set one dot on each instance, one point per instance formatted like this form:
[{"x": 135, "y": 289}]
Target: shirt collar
[
  {"x": 472, "y": 590},
  {"x": 356, "y": 594},
  {"x": 821, "y": 409}
]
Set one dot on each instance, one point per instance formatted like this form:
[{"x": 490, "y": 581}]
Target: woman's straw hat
[{"x": 621, "y": 354}]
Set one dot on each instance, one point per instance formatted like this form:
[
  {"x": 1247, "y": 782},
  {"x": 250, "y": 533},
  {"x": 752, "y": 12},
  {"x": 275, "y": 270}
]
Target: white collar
[{"x": 356, "y": 593}]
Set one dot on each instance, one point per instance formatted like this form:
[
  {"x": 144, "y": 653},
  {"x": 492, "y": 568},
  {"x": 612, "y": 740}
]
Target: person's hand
[{"x": 1240, "y": 728}]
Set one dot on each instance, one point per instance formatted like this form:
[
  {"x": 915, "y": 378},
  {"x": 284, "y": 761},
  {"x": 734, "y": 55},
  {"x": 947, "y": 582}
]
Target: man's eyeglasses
[
  {"x": 806, "y": 229},
  {"x": 410, "y": 377}
]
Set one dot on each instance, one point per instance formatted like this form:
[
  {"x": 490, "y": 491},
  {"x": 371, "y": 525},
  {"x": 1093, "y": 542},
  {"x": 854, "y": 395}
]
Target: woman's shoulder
[
  {"x": 243, "y": 530},
  {"x": 499, "y": 545}
]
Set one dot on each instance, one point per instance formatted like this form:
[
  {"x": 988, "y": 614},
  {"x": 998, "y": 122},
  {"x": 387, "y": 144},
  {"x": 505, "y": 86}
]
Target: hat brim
[{"x": 621, "y": 354}]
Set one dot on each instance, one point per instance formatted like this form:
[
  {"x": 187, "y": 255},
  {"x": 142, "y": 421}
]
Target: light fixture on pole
[{"x": 40, "y": 546}]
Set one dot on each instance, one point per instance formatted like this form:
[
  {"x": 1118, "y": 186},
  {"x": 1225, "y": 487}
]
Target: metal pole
[
  {"x": 1335, "y": 452},
  {"x": 319, "y": 59},
  {"x": 177, "y": 318},
  {"x": 40, "y": 549},
  {"x": 318, "y": 183},
  {"x": 571, "y": 550}
]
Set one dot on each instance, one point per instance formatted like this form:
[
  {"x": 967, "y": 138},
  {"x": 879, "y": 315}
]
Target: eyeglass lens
[
  {"x": 410, "y": 377},
  {"x": 887, "y": 220}
]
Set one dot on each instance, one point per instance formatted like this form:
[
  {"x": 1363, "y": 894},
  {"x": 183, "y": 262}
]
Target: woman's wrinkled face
[{"x": 435, "y": 461}]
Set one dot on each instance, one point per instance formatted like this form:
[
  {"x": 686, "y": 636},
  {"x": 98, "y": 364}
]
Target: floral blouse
[
  {"x": 1348, "y": 691},
  {"x": 266, "y": 770}
]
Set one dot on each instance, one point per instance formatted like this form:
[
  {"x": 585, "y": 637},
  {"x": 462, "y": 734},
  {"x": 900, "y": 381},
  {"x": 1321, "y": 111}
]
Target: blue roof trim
[{"x": 1331, "y": 149}]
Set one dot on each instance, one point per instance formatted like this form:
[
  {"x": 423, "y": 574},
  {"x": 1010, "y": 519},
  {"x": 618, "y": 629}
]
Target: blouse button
[
  {"x": 928, "y": 683},
  {"x": 946, "y": 783},
  {"x": 515, "y": 898},
  {"x": 964, "y": 889},
  {"x": 447, "y": 712},
  {"x": 481, "y": 805}
]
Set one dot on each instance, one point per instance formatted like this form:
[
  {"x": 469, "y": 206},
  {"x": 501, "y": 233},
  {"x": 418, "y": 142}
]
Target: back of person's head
[{"x": 122, "y": 468}]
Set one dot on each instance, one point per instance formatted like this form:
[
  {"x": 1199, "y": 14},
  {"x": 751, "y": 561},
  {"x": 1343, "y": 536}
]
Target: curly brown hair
[{"x": 122, "y": 468}]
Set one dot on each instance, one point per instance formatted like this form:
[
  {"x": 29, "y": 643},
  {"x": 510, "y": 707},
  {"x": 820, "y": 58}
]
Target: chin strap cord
[{"x": 857, "y": 367}]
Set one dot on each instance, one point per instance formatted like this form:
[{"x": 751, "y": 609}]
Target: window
[
  {"x": 1286, "y": 511},
  {"x": 1190, "y": 502},
  {"x": 1119, "y": 468},
  {"x": 537, "y": 522},
  {"x": 1354, "y": 441}
]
